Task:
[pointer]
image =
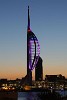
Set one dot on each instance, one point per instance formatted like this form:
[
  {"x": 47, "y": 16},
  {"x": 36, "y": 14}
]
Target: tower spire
[{"x": 28, "y": 19}]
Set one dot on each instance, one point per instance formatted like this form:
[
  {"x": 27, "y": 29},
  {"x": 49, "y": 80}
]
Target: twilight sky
[{"x": 48, "y": 22}]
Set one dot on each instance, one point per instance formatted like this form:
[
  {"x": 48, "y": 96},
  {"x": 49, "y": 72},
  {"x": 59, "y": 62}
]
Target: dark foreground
[
  {"x": 42, "y": 95},
  {"x": 8, "y": 95}
]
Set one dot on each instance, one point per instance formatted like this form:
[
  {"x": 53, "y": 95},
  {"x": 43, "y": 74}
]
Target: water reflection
[
  {"x": 41, "y": 95},
  {"x": 28, "y": 96}
]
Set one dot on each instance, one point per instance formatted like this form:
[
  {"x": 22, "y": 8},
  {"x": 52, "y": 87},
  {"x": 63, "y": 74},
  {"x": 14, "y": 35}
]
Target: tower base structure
[{"x": 29, "y": 78}]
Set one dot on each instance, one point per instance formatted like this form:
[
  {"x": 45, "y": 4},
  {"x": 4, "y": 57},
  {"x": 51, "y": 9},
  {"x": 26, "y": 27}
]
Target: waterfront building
[
  {"x": 55, "y": 81},
  {"x": 54, "y": 78}
]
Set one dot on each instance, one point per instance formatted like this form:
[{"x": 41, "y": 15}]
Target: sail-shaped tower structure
[{"x": 33, "y": 51}]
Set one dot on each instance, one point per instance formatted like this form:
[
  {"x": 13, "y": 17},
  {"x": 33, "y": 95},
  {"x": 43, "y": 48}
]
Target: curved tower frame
[{"x": 34, "y": 50}]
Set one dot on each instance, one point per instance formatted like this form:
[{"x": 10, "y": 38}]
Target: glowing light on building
[{"x": 34, "y": 50}]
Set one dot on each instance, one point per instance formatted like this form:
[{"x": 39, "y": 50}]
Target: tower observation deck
[{"x": 33, "y": 51}]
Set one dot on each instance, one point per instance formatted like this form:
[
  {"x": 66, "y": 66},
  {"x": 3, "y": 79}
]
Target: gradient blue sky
[{"x": 48, "y": 22}]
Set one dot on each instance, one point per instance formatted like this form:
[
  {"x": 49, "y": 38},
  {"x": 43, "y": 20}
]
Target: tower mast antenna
[{"x": 28, "y": 19}]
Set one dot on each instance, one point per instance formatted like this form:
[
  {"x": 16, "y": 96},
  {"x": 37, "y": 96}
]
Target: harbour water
[
  {"x": 33, "y": 95},
  {"x": 28, "y": 96},
  {"x": 62, "y": 92}
]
